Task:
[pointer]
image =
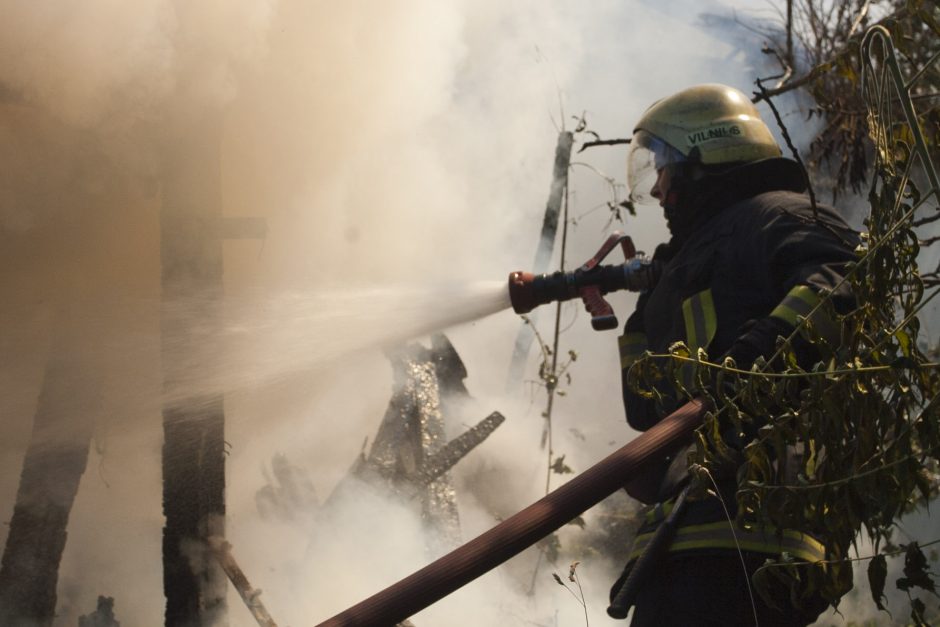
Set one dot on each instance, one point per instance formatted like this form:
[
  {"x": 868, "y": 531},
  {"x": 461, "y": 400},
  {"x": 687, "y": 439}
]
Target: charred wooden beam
[
  {"x": 52, "y": 469},
  {"x": 193, "y": 421},
  {"x": 456, "y": 449},
  {"x": 410, "y": 455},
  {"x": 222, "y": 551}
]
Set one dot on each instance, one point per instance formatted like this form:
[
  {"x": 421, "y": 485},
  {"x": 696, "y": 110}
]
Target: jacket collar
[{"x": 706, "y": 198}]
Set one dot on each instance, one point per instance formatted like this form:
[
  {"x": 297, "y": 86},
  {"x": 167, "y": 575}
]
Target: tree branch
[
  {"x": 793, "y": 150},
  {"x": 603, "y": 142},
  {"x": 826, "y": 66},
  {"x": 809, "y": 77}
]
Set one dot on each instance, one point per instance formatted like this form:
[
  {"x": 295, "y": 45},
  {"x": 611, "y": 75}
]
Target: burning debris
[
  {"x": 410, "y": 454},
  {"x": 103, "y": 616},
  {"x": 410, "y": 458}
]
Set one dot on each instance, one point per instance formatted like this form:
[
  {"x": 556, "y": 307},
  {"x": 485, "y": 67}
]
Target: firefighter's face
[{"x": 660, "y": 188}]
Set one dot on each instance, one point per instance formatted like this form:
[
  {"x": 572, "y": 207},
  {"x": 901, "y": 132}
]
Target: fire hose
[
  {"x": 515, "y": 534},
  {"x": 589, "y": 282}
]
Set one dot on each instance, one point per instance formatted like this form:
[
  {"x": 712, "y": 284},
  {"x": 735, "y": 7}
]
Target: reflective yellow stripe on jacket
[
  {"x": 799, "y": 303},
  {"x": 701, "y": 323},
  {"x": 632, "y": 345},
  {"x": 724, "y": 535}
]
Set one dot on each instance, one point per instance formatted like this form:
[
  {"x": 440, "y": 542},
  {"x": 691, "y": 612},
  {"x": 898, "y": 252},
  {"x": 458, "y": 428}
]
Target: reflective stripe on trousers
[{"x": 725, "y": 535}]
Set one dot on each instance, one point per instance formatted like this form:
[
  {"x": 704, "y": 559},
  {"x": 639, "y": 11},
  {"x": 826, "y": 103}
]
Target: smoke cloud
[{"x": 390, "y": 148}]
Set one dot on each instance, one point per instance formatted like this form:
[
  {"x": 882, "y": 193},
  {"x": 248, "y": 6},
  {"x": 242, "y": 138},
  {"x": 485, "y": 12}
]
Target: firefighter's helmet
[{"x": 710, "y": 125}]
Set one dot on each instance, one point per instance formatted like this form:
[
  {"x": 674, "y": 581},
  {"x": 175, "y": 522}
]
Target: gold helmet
[{"x": 706, "y": 124}]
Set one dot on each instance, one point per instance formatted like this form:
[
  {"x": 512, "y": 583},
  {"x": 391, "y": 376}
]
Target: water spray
[{"x": 589, "y": 282}]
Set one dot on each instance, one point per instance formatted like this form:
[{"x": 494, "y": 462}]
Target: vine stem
[
  {"x": 850, "y": 478},
  {"x": 844, "y": 560},
  {"x": 577, "y": 580},
  {"x": 553, "y": 381},
  {"x": 793, "y": 150},
  {"x": 786, "y": 375}
]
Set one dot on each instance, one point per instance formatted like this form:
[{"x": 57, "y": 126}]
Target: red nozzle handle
[
  {"x": 602, "y": 314},
  {"x": 626, "y": 244}
]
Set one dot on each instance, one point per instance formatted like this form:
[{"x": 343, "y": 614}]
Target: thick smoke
[{"x": 391, "y": 148}]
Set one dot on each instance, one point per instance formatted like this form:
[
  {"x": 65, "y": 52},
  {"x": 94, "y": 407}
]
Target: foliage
[
  {"x": 852, "y": 441},
  {"x": 818, "y": 48},
  {"x": 551, "y": 374}
]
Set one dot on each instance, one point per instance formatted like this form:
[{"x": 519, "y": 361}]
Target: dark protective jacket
[{"x": 757, "y": 259}]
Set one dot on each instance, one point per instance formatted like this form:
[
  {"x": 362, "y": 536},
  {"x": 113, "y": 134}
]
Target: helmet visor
[{"x": 648, "y": 155}]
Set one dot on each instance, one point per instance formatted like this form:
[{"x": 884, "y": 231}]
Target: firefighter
[{"x": 747, "y": 257}]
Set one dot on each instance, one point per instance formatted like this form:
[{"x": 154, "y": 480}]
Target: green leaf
[
  {"x": 560, "y": 467},
  {"x": 877, "y": 573},
  {"x": 680, "y": 349},
  {"x": 905, "y": 341},
  {"x": 766, "y": 579},
  {"x": 809, "y": 467},
  {"x": 924, "y": 483},
  {"x": 916, "y": 568}
]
